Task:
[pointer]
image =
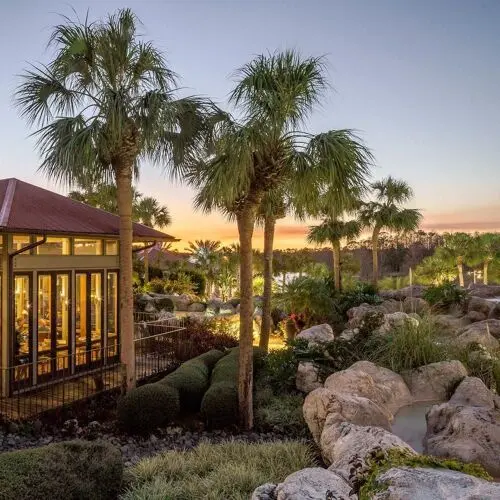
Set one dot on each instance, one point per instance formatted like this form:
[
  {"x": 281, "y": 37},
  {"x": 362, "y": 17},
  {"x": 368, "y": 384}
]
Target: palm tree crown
[{"x": 147, "y": 210}]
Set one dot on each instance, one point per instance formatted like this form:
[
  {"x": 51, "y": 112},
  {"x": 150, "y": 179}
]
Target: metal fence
[{"x": 161, "y": 344}]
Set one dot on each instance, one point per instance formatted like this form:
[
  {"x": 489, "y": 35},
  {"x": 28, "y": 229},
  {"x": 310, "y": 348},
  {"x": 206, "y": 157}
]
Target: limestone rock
[
  {"x": 397, "y": 320},
  {"x": 472, "y": 392},
  {"x": 484, "y": 291},
  {"x": 450, "y": 324},
  {"x": 196, "y": 307},
  {"x": 314, "y": 483},
  {"x": 402, "y": 293},
  {"x": 480, "y": 305},
  {"x": 433, "y": 382},
  {"x": 307, "y": 378},
  {"x": 349, "y": 445},
  {"x": 477, "y": 334},
  {"x": 381, "y": 385},
  {"x": 318, "y": 334},
  {"x": 491, "y": 326},
  {"x": 475, "y": 316},
  {"x": 404, "y": 483},
  {"x": 365, "y": 316},
  {"x": 495, "y": 311},
  {"x": 415, "y": 305},
  {"x": 468, "y": 433},
  {"x": 265, "y": 492},
  {"x": 391, "y": 306},
  {"x": 323, "y": 406}
]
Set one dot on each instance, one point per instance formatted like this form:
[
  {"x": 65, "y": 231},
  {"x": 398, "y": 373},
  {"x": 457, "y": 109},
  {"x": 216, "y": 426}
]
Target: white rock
[
  {"x": 307, "y": 378},
  {"x": 434, "y": 382},
  {"x": 314, "y": 483},
  {"x": 407, "y": 483},
  {"x": 397, "y": 320},
  {"x": 349, "y": 445},
  {"x": 318, "y": 334}
]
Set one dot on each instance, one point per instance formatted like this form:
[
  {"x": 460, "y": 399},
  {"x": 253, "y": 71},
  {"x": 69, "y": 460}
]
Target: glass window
[
  {"x": 96, "y": 314},
  {"x": 20, "y": 240},
  {"x": 22, "y": 305},
  {"x": 112, "y": 314},
  {"x": 62, "y": 321},
  {"x": 111, "y": 247},
  {"x": 84, "y": 246},
  {"x": 81, "y": 318},
  {"x": 54, "y": 246},
  {"x": 44, "y": 323}
]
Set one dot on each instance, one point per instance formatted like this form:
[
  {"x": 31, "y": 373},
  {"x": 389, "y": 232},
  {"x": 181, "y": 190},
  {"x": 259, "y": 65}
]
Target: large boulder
[
  {"x": 491, "y": 326},
  {"x": 495, "y": 311},
  {"x": 318, "y": 334},
  {"x": 475, "y": 316},
  {"x": 402, "y": 293},
  {"x": 390, "y": 306},
  {"x": 450, "y": 324},
  {"x": 397, "y": 320},
  {"x": 312, "y": 483},
  {"x": 472, "y": 392},
  {"x": 468, "y": 433},
  {"x": 404, "y": 483},
  {"x": 181, "y": 302},
  {"x": 484, "y": 291},
  {"x": 434, "y": 382},
  {"x": 368, "y": 380},
  {"x": 307, "y": 378},
  {"x": 196, "y": 307},
  {"x": 415, "y": 305},
  {"x": 346, "y": 447},
  {"x": 324, "y": 407},
  {"x": 365, "y": 315},
  {"x": 480, "y": 305},
  {"x": 477, "y": 334}
]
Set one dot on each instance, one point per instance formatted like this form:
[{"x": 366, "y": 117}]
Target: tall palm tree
[
  {"x": 386, "y": 212},
  {"x": 105, "y": 102},
  {"x": 205, "y": 255},
  {"x": 458, "y": 249},
  {"x": 265, "y": 149},
  {"x": 487, "y": 249},
  {"x": 333, "y": 230}
]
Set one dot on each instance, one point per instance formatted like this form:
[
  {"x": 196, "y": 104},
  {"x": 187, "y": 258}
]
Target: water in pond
[{"x": 410, "y": 425}]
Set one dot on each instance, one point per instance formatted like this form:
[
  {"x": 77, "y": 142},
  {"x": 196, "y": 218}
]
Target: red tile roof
[{"x": 25, "y": 208}]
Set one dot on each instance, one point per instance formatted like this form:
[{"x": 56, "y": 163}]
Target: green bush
[
  {"x": 407, "y": 347},
  {"x": 445, "y": 295},
  {"x": 363, "y": 293},
  {"x": 145, "y": 408},
  {"x": 191, "y": 379},
  {"x": 73, "y": 470},
  {"x": 230, "y": 470},
  {"x": 219, "y": 405},
  {"x": 156, "y": 285}
]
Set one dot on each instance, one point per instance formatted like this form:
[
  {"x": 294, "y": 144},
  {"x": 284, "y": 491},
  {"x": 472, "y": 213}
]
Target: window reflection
[
  {"x": 54, "y": 246},
  {"x": 20, "y": 241},
  {"x": 112, "y": 313},
  {"x": 22, "y": 325},
  {"x": 84, "y": 246},
  {"x": 111, "y": 247}
]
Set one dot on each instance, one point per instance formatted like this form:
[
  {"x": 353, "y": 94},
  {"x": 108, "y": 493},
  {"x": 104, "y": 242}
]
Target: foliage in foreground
[
  {"x": 381, "y": 461},
  {"x": 212, "y": 472},
  {"x": 445, "y": 295},
  {"x": 74, "y": 470}
]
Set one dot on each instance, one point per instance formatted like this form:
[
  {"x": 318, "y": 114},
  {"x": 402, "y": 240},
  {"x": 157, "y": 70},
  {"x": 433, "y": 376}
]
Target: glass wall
[
  {"x": 54, "y": 246},
  {"x": 44, "y": 317},
  {"x": 62, "y": 327},
  {"x": 22, "y": 314},
  {"x": 84, "y": 246},
  {"x": 112, "y": 314},
  {"x": 81, "y": 318},
  {"x": 96, "y": 310}
]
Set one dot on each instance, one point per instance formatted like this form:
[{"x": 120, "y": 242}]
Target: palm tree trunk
[
  {"x": 460, "y": 268},
  {"x": 336, "y": 265},
  {"x": 485, "y": 272},
  {"x": 246, "y": 221},
  {"x": 265, "y": 328},
  {"x": 124, "y": 198},
  {"x": 376, "y": 232}
]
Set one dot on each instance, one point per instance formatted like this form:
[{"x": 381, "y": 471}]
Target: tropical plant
[
  {"x": 149, "y": 212},
  {"x": 458, "y": 249},
  {"x": 486, "y": 250},
  {"x": 386, "y": 213},
  {"x": 205, "y": 255},
  {"x": 435, "y": 269},
  {"x": 105, "y": 102},
  {"x": 265, "y": 149},
  {"x": 334, "y": 230},
  {"x": 445, "y": 295}
]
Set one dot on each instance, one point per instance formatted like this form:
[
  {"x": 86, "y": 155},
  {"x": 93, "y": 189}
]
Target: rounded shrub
[
  {"x": 145, "y": 408},
  {"x": 192, "y": 378},
  {"x": 73, "y": 470}
]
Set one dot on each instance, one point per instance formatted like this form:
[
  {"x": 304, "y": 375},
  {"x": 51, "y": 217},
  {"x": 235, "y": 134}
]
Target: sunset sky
[{"x": 419, "y": 80}]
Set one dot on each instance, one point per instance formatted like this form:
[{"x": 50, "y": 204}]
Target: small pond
[{"x": 410, "y": 425}]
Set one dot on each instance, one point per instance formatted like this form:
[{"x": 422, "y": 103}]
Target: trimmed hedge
[
  {"x": 219, "y": 406},
  {"x": 145, "y": 408},
  {"x": 73, "y": 470},
  {"x": 192, "y": 378}
]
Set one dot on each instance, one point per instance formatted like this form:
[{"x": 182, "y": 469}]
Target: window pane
[
  {"x": 20, "y": 240},
  {"x": 85, "y": 246},
  {"x": 54, "y": 246},
  {"x": 22, "y": 306},
  {"x": 81, "y": 318},
  {"x": 112, "y": 312},
  {"x": 44, "y": 324},
  {"x": 96, "y": 314},
  {"x": 111, "y": 247},
  {"x": 62, "y": 321}
]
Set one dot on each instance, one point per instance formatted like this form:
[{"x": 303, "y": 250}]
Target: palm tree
[
  {"x": 486, "y": 250},
  {"x": 105, "y": 102},
  {"x": 205, "y": 255},
  {"x": 386, "y": 213},
  {"x": 458, "y": 249},
  {"x": 333, "y": 230},
  {"x": 274, "y": 95},
  {"x": 103, "y": 196}
]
